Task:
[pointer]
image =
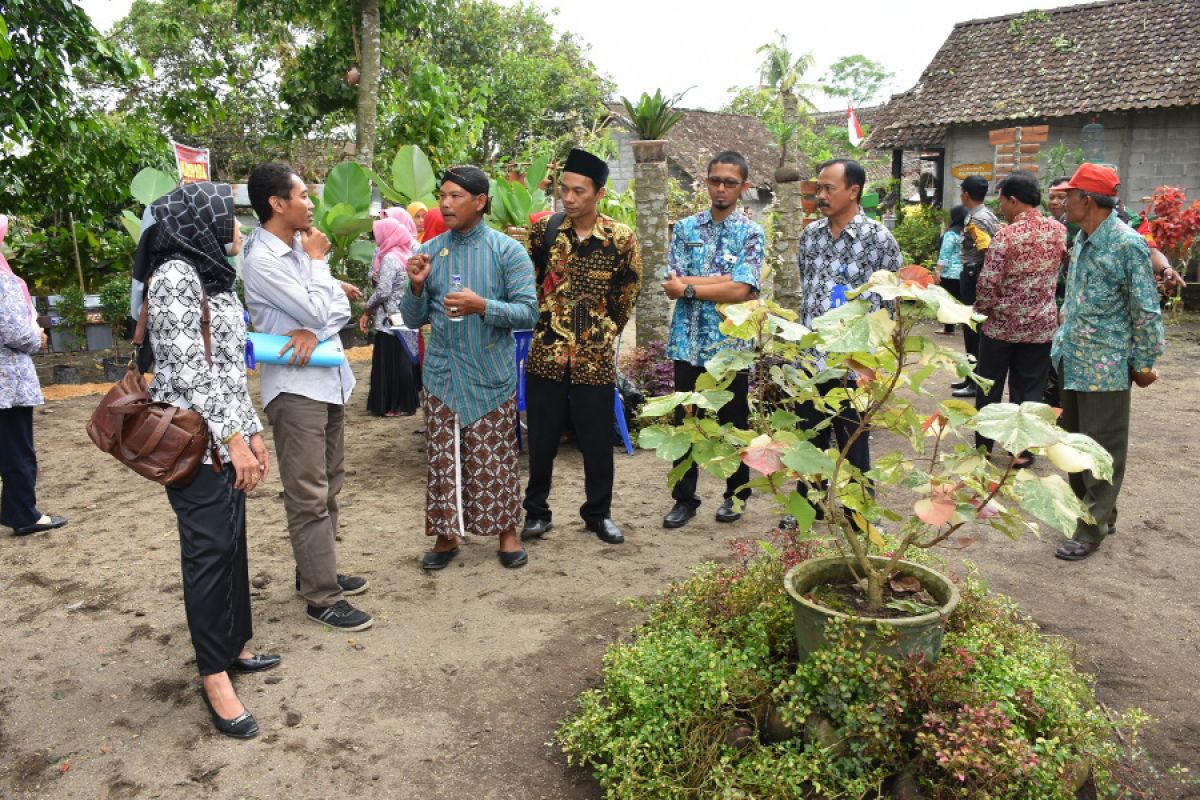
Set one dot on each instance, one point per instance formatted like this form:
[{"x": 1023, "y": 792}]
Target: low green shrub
[{"x": 693, "y": 705}]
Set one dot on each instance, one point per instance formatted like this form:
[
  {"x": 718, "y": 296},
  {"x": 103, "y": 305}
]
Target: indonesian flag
[{"x": 853, "y": 129}]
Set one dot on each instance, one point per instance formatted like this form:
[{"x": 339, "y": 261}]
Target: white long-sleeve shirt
[{"x": 287, "y": 290}]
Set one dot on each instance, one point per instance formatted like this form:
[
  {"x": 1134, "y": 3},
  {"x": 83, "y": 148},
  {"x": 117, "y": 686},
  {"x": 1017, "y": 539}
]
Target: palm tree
[{"x": 781, "y": 72}]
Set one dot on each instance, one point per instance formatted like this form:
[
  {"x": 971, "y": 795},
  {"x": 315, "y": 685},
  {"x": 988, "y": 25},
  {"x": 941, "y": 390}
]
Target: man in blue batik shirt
[{"x": 715, "y": 257}]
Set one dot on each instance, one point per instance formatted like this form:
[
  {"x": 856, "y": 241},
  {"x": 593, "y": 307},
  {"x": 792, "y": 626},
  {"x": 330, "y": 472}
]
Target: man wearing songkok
[
  {"x": 1111, "y": 334},
  {"x": 474, "y": 286},
  {"x": 588, "y": 272}
]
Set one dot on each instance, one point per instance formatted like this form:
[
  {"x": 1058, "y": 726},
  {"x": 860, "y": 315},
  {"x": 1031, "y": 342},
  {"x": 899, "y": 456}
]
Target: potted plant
[
  {"x": 652, "y": 118},
  {"x": 925, "y": 484},
  {"x": 114, "y": 309}
]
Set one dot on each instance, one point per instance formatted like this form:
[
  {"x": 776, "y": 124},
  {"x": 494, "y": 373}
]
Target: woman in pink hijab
[
  {"x": 19, "y": 393},
  {"x": 395, "y": 375}
]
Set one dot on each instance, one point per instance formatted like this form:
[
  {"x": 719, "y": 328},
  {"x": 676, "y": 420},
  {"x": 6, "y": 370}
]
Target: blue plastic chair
[
  {"x": 619, "y": 410},
  {"x": 524, "y": 340}
]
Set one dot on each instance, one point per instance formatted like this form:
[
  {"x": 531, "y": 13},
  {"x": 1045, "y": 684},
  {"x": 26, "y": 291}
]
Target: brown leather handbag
[{"x": 156, "y": 440}]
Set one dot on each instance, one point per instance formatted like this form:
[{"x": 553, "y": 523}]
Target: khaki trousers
[{"x": 310, "y": 448}]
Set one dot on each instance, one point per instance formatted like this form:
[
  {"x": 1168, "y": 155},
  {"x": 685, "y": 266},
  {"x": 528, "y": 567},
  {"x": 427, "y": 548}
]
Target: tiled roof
[
  {"x": 1110, "y": 56},
  {"x": 702, "y": 134}
]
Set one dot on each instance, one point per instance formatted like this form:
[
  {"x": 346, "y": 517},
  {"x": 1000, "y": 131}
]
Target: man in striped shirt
[{"x": 474, "y": 285}]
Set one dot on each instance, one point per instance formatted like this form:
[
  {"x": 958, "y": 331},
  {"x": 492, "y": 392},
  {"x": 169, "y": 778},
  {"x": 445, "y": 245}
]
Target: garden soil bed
[{"x": 456, "y": 691}]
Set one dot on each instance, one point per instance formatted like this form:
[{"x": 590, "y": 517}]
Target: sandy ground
[{"x": 456, "y": 690}]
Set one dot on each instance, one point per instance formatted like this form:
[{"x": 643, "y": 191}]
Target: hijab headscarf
[
  {"x": 434, "y": 225},
  {"x": 391, "y": 236},
  {"x": 402, "y": 216},
  {"x": 4, "y": 267},
  {"x": 193, "y": 223},
  {"x": 416, "y": 207}
]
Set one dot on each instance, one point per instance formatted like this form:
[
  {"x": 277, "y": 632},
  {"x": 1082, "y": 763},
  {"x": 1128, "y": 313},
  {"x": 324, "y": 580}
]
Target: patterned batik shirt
[
  {"x": 831, "y": 267},
  {"x": 703, "y": 248},
  {"x": 980, "y": 218},
  {"x": 183, "y": 375},
  {"x": 1016, "y": 285},
  {"x": 1111, "y": 321},
  {"x": 585, "y": 296}
]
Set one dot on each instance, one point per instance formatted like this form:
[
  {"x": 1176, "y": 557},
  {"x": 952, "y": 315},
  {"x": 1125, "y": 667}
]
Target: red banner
[{"x": 192, "y": 163}]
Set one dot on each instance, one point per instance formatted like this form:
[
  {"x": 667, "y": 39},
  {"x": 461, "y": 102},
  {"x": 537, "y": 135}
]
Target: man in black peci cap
[{"x": 588, "y": 272}]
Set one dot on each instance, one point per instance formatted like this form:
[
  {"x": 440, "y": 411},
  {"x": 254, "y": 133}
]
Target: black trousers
[
  {"x": 841, "y": 428},
  {"x": 548, "y": 405},
  {"x": 736, "y": 411},
  {"x": 968, "y": 281},
  {"x": 1025, "y": 367},
  {"x": 953, "y": 286},
  {"x": 18, "y": 468},
  {"x": 216, "y": 574}
]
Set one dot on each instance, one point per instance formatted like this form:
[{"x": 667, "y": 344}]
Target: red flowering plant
[
  {"x": 882, "y": 365},
  {"x": 1174, "y": 225}
]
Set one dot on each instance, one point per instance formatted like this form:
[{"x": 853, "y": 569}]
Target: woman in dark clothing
[
  {"x": 395, "y": 374},
  {"x": 183, "y": 264}
]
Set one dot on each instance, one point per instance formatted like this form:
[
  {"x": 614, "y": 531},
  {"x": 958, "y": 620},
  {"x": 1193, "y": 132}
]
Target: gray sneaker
[
  {"x": 341, "y": 616},
  {"x": 349, "y": 584}
]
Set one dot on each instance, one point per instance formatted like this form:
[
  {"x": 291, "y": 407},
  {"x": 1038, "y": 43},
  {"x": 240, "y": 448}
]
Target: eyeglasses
[{"x": 728, "y": 183}]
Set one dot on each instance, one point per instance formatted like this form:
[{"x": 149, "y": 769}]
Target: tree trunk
[
  {"x": 368, "y": 85},
  {"x": 650, "y": 194},
  {"x": 785, "y": 249}
]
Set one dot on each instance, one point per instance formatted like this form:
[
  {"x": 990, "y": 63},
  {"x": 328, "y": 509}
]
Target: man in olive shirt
[{"x": 588, "y": 276}]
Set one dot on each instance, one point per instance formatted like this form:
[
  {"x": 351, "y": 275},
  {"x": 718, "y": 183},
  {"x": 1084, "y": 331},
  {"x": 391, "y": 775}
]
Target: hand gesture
[
  {"x": 459, "y": 304},
  {"x": 1144, "y": 378},
  {"x": 418, "y": 271},
  {"x": 315, "y": 243},
  {"x": 301, "y": 342},
  {"x": 674, "y": 285},
  {"x": 353, "y": 293}
]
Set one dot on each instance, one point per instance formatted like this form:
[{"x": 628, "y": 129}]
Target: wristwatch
[{"x": 689, "y": 292}]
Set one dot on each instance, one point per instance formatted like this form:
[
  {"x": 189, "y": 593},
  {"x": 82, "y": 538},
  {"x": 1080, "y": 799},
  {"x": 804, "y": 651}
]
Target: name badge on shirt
[{"x": 693, "y": 244}]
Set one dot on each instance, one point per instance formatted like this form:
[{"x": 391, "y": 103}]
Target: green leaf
[
  {"x": 712, "y": 399},
  {"x": 717, "y": 457},
  {"x": 788, "y": 330},
  {"x": 412, "y": 174},
  {"x": 806, "y": 459},
  {"x": 385, "y": 191},
  {"x": 853, "y": 328},
  {"x": 348, "y": 183},
  {"x": 1018, "y": 428},
  {"x": 1076, "y": 452},
  {"x": 661, "y": 406},
  {"x": 1050, "y": 499},
  {"x": 351, "y": 225},
  {"x": 784, "y": 419},
  {"x": 668, "y": 443},
  {"x": 132, "y": 223},
  {"x": 911, "y": 607},
  {"x": 151, "y": 184},
  {"x": 537, "y": 171},
  {"x": 362, "y": 250},
  {"x": 799, "y": 507}
]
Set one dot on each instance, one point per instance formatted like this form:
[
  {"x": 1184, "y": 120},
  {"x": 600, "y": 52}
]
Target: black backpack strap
[{"x": 541, "y": 256}]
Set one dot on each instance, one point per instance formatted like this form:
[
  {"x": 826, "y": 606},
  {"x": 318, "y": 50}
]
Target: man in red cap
[{"x": 1110, "y": 335}]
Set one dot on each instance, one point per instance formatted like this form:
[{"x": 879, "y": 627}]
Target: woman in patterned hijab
[{"x": 193, "y": 223}]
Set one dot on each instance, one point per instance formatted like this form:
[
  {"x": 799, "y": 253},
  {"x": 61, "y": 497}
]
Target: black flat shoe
[
  {"x": 726, "y": 513},
  {"x": 256, "y": 663},
  {"x": 243, "y": 726},
  {"x": 433, "y": 560},
  {"x": 606, "y": 530},
  {"x": 38, "y": 527},
  {"x": 517, "y": 558},
  {"x": 678, "y": 516},
  {"x": 1075, "y": 550},
  {"x": 535, "y": 529}
]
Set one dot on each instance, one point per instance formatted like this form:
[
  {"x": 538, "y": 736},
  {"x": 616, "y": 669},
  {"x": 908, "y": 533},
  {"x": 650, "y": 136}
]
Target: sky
[{"x": 644, "y": 45}]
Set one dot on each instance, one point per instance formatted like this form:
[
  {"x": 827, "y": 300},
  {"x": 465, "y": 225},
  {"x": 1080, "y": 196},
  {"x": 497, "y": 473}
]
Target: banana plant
[
  {"x": 146, "y": 187},
  {"x": 513, "y": 202},
  {"x": 342, "y": 213},
  {"x": 412, "y": 178}
]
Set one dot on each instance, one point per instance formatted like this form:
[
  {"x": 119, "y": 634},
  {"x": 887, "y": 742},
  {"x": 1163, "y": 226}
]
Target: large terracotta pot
[
  {"x": 649, "y": 151},
  {"x": 786, "y": 175},
  {"x": 894, "y": 637}
]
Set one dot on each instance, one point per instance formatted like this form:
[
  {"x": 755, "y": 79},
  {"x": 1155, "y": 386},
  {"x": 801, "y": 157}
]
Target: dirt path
[{"x": 457, "y": 689}]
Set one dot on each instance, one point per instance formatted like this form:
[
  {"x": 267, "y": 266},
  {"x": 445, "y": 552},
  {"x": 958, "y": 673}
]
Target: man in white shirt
[{"x": 291, "y": 292}]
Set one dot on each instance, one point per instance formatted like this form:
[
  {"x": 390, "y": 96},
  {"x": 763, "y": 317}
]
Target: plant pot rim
[{"x": 921, "y": 571}]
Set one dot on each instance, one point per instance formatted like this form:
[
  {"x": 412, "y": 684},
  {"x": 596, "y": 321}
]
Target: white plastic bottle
[{"x": 456, "y": 285}]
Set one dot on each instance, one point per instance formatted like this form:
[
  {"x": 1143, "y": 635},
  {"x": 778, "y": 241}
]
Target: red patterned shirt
[{"x": 1018, "y": 279}]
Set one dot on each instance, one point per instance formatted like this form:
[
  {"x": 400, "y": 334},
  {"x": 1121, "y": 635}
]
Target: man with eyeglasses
[
  {"x": 1110, "y": 335},
  {"x": 837, "y": 254},
  {"x": 587, "y": 270},
  {"x": 715, "y": 257}
]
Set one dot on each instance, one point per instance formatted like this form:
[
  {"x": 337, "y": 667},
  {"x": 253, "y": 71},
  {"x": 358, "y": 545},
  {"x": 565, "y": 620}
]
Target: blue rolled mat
[{"x": 264, "y": 348}]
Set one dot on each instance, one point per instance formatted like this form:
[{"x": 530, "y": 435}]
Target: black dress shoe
[
  {"x": 535, "y": 529},
  {"x": 38, "y": 527},
  {"x": 256, "y": 663},
  {"x": 966, "y": 391},
  {"x": 243, "y": 726},
  {"x": 726, "y": 513},
  {"x": 606, "y": 530},
  {"x": 678, "y": 516},
  {"x": 964, "y": 383},
  {"x": 433, "y": 560},
  {"x": 517, "y": 558}
]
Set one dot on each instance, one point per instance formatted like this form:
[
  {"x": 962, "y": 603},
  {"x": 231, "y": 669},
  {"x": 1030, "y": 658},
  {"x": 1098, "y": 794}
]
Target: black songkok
[
  {"x": 473, "y": 179},
  {"x": 581, "y": 162}
]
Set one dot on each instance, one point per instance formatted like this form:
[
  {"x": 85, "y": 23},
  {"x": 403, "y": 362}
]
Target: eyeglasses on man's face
[{"x": 728, "y": 183}]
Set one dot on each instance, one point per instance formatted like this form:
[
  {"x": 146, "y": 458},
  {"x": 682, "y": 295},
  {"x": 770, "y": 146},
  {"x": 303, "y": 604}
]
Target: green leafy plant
[
  {"x": 513, "y": 201},
  {"x": 917, "y": 232},
  {"x": 654, "y": 115},
  {"x": 114, "y": 308},
  {"x": 343, "y": 214},
  {"x": 621, "y": 206},
  {"x": 412, "y": 178},
  {"x": 73, "y": 315},
  {"x": 146, "y": 187},
  {"x": 929, "y": 485}
]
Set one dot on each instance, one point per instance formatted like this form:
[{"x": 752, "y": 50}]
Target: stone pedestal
[
  {"x": 785, "y": 250},
  {"x": 650, "y": 194}
]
